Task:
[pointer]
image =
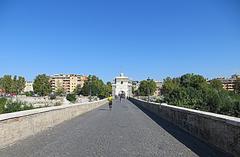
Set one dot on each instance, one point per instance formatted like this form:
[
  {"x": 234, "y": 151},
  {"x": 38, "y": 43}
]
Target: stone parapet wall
[
  {"x": 217, "y": 130},
  {"x": 19, "y": 125}
]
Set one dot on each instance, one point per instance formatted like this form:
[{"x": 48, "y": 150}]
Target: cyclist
[{"x": 110, "y": 102}]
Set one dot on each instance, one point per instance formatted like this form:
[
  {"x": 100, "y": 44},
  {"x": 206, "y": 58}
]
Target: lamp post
[
  {"x": 90, "y": 87},
  {"x": 148, "y": 89}
]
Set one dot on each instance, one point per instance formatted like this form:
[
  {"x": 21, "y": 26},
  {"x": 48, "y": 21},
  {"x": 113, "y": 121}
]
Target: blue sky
[{"x": 141, "y": 38}]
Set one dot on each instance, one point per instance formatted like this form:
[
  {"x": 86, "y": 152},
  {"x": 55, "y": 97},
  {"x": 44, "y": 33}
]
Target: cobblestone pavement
[{"x": 124, "y": 131}]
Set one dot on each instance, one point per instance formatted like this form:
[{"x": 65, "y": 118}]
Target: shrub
[
  {"x": 2, "y": 104},
  {"x": 16, "y": 106},
  {"x": 58, "y": 103},
  {"x": 13, "y": 107},
  {"x": 29, "y": 93},
  {"x": 236, "y": 108},
  {"x": 27, "y": 107},
  {"x": 8, "y": 106},
  {"x": 71, "y": 97}
]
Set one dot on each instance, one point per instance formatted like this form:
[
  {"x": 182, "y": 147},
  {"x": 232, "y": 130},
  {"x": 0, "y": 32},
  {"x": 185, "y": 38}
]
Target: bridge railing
[
  {"x": 19, "y": 125},
  {"x": 218, "y": 130}
]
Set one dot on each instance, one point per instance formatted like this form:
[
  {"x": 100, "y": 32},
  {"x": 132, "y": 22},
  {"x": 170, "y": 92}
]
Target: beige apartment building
[
  {"x": 67, "y": 82},
  {"x": 228, "y": 83}
]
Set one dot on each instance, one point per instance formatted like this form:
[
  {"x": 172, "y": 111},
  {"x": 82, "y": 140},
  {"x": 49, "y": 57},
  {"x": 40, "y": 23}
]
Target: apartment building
[
  {"x": 67, "y": 82},
  {"x": 228, "y": 83}
]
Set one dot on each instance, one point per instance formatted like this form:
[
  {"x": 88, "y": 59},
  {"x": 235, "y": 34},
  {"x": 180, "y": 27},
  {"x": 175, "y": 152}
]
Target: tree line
[
  {"x": 195, "y": 92},
  {"x": 12, "y": 84},
  {"x": 93, "y": 86}
]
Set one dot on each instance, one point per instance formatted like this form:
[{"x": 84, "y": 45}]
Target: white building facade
[
  {"x": 122, "y": 85},
  {"x": 28, "y": 86}
]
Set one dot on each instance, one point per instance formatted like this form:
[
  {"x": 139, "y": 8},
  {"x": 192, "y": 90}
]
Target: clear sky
[{"x": 141, "y": 38}]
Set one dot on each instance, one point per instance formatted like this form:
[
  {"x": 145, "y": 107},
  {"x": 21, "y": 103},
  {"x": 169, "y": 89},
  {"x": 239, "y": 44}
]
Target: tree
[
  {"x": 193, "y": 91},
  {"x": 14, "y": 87},
  {"x": 60, "y": 89},
  {"x": 237, "y": 86},
  {"x": 216, "y": 84},
  {"x": 147, "y": 87},
  {"x": 213, "y": 100},
  {"x": 236, "y": 108},
  {"x": 71, "y": 97},
  {"x": 170, "y": 84},
  {"x": 2, "y": 104},
  {"x": 78, "y": 90},
  {"x": 87, "y": 88},
  {"x": 20, "y": 84},
  {"x": 109, "y": 88},
  {"x": 96, "y": 87},
  {"x": 6, "y": 83},
  {"x": 41, "y": 85},
  {"x": 191, "y": 80}
]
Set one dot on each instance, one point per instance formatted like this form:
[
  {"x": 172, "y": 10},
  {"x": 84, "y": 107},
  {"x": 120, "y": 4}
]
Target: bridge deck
[{"x": 124, "y": 131}]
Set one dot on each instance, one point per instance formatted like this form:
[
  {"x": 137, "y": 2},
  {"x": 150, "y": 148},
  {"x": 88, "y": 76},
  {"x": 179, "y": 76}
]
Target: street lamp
[
  {"x": 90, "y": 87},
  {"x": 148, "y": 89}
]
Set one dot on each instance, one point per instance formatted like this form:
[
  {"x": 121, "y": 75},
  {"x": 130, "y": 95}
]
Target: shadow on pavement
[
  {"x": 103, "y": 109},
  {"x": 197, "y": 146}
]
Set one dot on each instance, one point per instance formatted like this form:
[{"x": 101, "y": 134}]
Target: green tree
[
  {"x": 109, "y": 88},
  {"x": 41, "y": 85},
  {"x": 236, "y": 108},
  {"x": 95, "y": 87},
  {"x": 60, "y": 89},
  {"x": 87, "y": 88},
  {"x": 6, "y": 83},
  {"x": 71, "y": 97},
  {"x": 2, "y": 104},
  {"x": 216, "y": 84},
  {"x": 147, "y": 87},
  {"x": 191, "y": 80},
  {"x": 237, "y": 86},
  {"x": 20, "y": 84},
  {"x": 213, "y": 100},
  {"x": 14, "y": 87},
  {"x": 170, "y": 84},
  {"x": 78, "y": 90},
  {"x": 193, "y": 91}
]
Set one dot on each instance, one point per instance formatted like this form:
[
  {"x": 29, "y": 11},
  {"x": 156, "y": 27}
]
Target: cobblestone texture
[{"x": 124, "y": 131}]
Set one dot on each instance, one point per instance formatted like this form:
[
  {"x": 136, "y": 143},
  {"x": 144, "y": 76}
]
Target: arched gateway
[{"x": 122, "y": 85}]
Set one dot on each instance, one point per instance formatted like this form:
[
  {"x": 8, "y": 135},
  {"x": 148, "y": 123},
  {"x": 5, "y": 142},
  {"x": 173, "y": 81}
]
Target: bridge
[{"x": 127, "y": 130}]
